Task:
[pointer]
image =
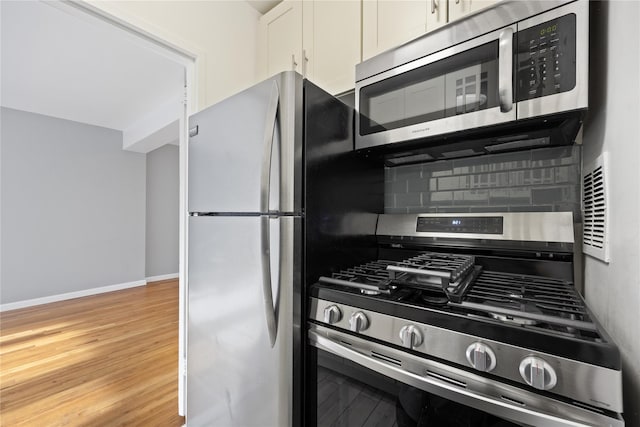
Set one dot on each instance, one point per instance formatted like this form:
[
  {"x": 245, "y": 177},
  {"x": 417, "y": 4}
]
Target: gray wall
[
  {"x": 613, "y": 125},
  {"x": 72, "y": 207},
  {"x": 163, "y": 195},
  {"x": 537, "y": 180}
]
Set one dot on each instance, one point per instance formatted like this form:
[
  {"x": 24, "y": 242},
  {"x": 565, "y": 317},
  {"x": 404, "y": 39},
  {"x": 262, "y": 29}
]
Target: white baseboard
[
  {"x": 162, "y": 277},
  {"x": 70, "y": 295}
]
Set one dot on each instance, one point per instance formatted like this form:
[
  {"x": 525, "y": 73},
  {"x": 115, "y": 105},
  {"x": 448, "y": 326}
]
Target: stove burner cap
[
  {"x": 520, "y": 321},
  {"x": 434, "y": 299}
]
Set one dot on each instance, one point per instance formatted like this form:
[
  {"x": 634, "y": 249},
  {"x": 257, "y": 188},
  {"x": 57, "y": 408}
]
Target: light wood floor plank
[{"x": 104, "y": 360}]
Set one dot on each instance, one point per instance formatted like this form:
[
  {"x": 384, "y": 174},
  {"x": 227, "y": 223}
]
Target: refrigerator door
[
  {"x": 245, "y": 152},
  {"x": 236, "y": 376}
]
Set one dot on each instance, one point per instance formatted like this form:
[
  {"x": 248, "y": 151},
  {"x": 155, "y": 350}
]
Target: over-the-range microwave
[{"x": 512, "y": 76}]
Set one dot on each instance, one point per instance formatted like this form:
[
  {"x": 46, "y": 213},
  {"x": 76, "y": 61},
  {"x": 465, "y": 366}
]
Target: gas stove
[{"x": 486, "y": 302}]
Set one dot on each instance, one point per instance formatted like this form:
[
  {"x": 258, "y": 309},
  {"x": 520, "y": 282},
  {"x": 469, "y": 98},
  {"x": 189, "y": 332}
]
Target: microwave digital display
[{"x": 546, "y": 58}]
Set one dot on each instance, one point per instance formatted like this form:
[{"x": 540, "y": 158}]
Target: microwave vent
[
  {"x": 595, "y": 208},
  {"x": 405, "y": 160},
  {"x": 459, "y": 153},
  {"x": 518, "y": 145}
]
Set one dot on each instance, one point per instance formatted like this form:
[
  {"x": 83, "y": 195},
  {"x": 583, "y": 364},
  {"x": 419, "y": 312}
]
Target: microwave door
[{"x": 466, "y": 86}]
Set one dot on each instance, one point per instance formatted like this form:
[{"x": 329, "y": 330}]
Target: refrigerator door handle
[
  {"x": 265, "y": 237},
  {"x": 267, "y": 293},
  {"x": 269, "y": 132}
]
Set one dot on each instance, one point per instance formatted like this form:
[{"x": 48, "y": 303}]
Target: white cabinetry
[
  {"x": 318, "y": 38},
  {"x": 331, "y": 43},
  {"x": 437, "y": 14},
  {"x": 389, "y": 23},
  {"x": 459, "y": 8},
  {"x": 280, "y": 46}
]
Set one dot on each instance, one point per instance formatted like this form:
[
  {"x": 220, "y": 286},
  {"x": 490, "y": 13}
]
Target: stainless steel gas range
[{"x": 463, "y": 319}]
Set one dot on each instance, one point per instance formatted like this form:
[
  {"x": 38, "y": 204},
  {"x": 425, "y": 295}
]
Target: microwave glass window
[{"x": 459, "y": 84}]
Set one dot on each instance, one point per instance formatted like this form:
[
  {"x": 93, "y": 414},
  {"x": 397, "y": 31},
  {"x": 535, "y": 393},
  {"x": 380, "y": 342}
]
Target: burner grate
[
  {"x": 370, "y": 278},
  {"x": 450, "y": 274},
  {"x": 447, "y": 274},
  {"x": 513, "y": 298},
  {"x": 371, "y": 273},
  {"x": 457, "y": 266},
  {"x": 528, "y": 294}
]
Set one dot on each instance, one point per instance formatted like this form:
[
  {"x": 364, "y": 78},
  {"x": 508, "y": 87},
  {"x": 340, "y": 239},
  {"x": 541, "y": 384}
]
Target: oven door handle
[
  {"x": 505, "y": 70},
  {"x": 265, "y": 194},
  {"x": 448, "y": 387}
]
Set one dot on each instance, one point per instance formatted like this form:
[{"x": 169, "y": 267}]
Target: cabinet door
[
  {"x": 331, "y": 43},
  {"x": 281, "y": 39},
  {"x": 460, "y": 8},
  {"x": 437, "y": 14},
  {"x": 389, "y": 23}
]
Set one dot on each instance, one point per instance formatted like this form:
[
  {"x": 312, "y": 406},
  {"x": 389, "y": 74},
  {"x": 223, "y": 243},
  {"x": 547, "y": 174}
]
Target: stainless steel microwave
[{"x": 506, "y": 64}]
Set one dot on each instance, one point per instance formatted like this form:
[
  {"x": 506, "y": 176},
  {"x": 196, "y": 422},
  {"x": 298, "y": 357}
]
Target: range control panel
[
  {"x": 462, "y": 224},
  {"x": 546, "y": 58}
]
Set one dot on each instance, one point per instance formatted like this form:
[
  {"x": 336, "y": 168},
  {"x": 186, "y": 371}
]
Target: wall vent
[{"x": 595, "y": 208}]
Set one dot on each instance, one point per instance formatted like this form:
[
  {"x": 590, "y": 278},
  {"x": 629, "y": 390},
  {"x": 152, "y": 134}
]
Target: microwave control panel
[{"x": 546, "y": 58}]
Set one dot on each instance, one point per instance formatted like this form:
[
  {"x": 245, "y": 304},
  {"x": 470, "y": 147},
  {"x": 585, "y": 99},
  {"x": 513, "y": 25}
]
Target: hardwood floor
[{"x": 104, "y": 360}]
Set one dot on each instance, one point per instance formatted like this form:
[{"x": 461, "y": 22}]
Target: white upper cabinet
[
  {"x": 331, "y": 43},
  {"x": 389, "y": 23},
  {"x": 437, "y": 14},
  {"x": 320, "y": 39},
  {"x": 281, "y": 39},
  {"x": 460, "y": 8}
]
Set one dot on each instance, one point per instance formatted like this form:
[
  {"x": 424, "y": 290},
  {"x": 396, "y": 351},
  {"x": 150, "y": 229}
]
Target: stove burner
[{"x": 434, "y": 299}]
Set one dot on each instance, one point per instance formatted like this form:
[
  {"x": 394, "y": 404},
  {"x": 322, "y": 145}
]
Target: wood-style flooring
[{"x": 104, "y": 360}]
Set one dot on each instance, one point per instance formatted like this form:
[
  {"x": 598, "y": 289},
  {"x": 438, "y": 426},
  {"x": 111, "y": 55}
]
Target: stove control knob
[
  {"x": 481, "y": 357},
  {"x": 332, "y": 314},
  {"x": 358, "y": 322},
  {"x": 410, "y": 336},
  {"x": 538, "y": 373}
]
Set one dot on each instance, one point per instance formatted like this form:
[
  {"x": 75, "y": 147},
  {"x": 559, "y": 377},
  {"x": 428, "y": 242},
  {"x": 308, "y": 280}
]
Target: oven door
[
  {"x": 356, "y": 382},
  {"x": 466, "y": 86}
]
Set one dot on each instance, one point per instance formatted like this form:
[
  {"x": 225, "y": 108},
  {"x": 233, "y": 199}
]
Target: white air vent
[{"x": 595, "y": 207}]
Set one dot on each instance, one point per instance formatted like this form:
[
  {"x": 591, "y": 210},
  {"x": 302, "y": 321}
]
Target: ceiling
[
  {"x": 263, "y": 6},
  {"x": 60, "y": 64}
]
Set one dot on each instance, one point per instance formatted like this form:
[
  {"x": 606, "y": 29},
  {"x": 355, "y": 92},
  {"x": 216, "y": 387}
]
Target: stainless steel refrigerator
[{"x": 271, "y": 181}]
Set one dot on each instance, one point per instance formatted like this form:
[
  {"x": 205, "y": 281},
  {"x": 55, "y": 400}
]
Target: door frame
[{"x": 192, "y": 60}]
